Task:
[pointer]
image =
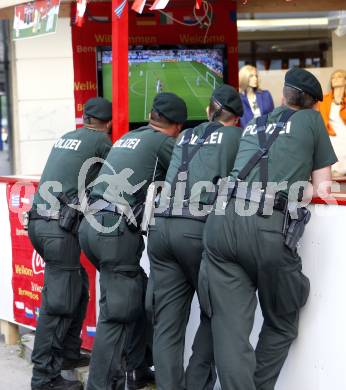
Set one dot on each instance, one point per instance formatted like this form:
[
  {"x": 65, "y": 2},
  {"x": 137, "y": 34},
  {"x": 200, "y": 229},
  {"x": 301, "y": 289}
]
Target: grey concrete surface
[
  {"x": 27, "y": 341},
  {"x": 15, "y": 372}
]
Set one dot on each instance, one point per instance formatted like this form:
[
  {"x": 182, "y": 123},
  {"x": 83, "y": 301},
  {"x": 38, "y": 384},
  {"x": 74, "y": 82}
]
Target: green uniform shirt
[
  {"x": 215, "y": 158},
  {"x": 67, "y": 157},
  {"x": 133, "y": 158},
  {"x": 302, "y": 146}
]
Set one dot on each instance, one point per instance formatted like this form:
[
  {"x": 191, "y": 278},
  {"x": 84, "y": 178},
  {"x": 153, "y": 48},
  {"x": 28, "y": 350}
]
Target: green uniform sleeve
[
  {"x": 324, "y": 154},
  {"x": 105, "y": 145},
  {"x": 165, "y": 152}
]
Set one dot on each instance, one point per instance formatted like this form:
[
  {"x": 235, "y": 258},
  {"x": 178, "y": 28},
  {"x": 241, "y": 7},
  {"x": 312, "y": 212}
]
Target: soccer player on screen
[{"x": 159, "y": 86}]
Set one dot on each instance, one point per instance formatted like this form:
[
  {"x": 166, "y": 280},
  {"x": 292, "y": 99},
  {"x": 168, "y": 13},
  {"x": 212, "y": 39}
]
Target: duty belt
[
  {"x": 43, "y": 214},
  {"x": 133, "y": 222},
  {"x": 185, "y": 213},
  {"x": 104, "y": 205},
  {"x": 279, "y": 201}
]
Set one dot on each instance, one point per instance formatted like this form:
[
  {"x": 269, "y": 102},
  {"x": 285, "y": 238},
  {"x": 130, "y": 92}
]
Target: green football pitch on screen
[{"x": 192, "y": 81}]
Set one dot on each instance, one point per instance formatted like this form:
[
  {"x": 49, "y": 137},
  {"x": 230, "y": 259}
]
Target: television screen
[{"x": 190, "y": 73}]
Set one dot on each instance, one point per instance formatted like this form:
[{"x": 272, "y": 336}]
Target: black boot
[
  {"x": 59, "y": 383},
  {"x": 137, "y": 379},
  {"x": 70, "y": 364}
]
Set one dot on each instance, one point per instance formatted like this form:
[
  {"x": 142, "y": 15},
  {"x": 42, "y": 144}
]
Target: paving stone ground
[{"x": 15, "y": 372}]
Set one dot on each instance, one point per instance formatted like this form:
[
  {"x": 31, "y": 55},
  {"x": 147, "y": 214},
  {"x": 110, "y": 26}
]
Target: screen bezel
[{"x": 188, "y": 123}]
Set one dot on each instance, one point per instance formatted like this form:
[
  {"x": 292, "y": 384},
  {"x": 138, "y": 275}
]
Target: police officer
[
  {"x": 254, "y": 251},
  {"x": 202, "y": 154},
  {"x": 65, "y": 292},
  {"x": 112, "y": 241}
]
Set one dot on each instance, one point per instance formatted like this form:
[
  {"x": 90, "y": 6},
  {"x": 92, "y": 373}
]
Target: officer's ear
[
  {"x": 207, "y": 110},
  {"x": 178, "y": 128},
  {"x": 109, "y": 127}
]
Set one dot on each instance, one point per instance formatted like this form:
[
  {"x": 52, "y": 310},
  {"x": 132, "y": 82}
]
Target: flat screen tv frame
[{"x": 190, "y": 122}]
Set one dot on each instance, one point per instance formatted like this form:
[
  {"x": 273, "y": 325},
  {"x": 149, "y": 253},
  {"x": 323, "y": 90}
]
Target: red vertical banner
[
  {"x": 28, "y": 267},
  {"x": 120, "y": 87},
  {"x": 95, "y": 32}
]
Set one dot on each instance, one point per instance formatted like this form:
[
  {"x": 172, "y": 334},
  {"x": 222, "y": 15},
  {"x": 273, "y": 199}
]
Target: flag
[
  {"x": 189, "y": 19},
  {"x": 198, "y": 4},
  {"x": 159, "y": 4},
  {"x": 146, "y": 23},
  {"x": 148, "y": 19},
  {"x": 120, "y": 8},
  {"x": 166, "y": 18},
  {"x": 138, "y": 6},
  {"x": 79, "y": 121},
  {"x": 80, "y": 11},
  {"x": 19, "y": 305},
  {"x": 91, "y": 331},
  {"x": 15, "y": 200},
  {"x": 29, "y": 313}
]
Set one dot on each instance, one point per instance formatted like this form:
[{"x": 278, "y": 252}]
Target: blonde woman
[
  {"x": 256, "y": 102},
  {"x": 333, "y": 111}
]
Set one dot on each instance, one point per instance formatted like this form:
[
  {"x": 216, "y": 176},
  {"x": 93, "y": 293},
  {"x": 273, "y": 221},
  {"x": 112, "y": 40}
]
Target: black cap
[
  {"x": 98, "y": 108},
  {"x": 171, "y": 106},
  {"x": 304, "y": 81},
  {"x": 228, "y": 97}
]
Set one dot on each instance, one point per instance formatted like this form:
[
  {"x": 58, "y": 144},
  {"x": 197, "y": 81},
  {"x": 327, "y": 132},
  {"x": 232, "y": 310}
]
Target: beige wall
[
  {"x": 273, "y": 79},
  {"x": 43, "y": 96}
]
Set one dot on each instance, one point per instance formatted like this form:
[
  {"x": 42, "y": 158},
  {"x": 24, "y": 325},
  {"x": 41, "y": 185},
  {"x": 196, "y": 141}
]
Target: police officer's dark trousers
[
  {"x": 244, "y": 254},
  {"x": 64, "y": 300},
  {"x": 175, "y": 250},
  {"x": 117, "y": 255}
]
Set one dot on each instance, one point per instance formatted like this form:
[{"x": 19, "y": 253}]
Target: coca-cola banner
[{"x": 28, "y": 266}]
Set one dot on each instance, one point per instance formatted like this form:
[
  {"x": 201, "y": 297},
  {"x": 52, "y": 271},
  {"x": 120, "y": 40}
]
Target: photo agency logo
[
  {"x": 121, "y": 196},
  {"x": 118, "y": 189},
  {"x": 205, "y": 197}
]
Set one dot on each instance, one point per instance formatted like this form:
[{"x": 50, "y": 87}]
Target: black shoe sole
[
  {"x": 73, "y": 365},
  {"x": 77, "y": 386}
]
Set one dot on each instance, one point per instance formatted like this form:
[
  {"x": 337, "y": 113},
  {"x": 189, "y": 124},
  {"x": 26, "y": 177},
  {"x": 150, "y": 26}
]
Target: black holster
[
  {"x": 294, "y": 228},
  {"x": 69, "y": 218}
]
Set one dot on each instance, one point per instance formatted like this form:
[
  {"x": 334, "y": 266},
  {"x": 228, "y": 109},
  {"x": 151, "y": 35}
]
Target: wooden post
[{"x": 10, "y": 331}]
